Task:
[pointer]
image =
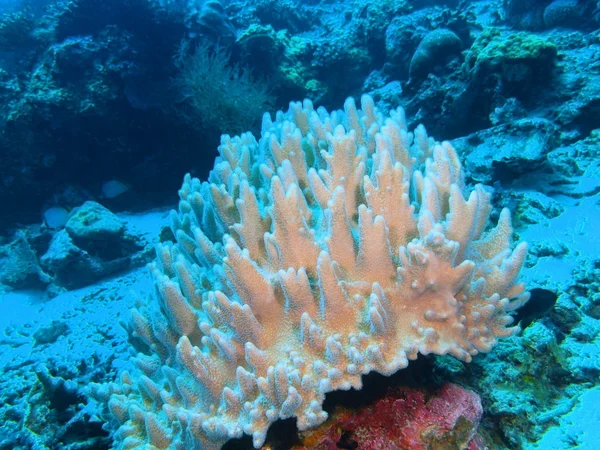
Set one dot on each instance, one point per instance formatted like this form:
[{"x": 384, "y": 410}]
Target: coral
[
  {"x": 337, "y": 245},
  {"x": 48, "y": 405},
  {"x": 213, "y": 20},
  {"x": 405, "y": 418},
  {"x": 342, "y": 61},
  {"x": 519, "y": 58},
  {"x": 215, "y": 94},
  {"x": 289, "y": 69},
  {"x": 574, "y": 14},
  {"x": 15, "y": 30},
  {"x": 562, "y": 12},
  {"x": 291, "y": 15},
  {"x": 206, "y": 17},
  {"x": 437, "y": 46}
]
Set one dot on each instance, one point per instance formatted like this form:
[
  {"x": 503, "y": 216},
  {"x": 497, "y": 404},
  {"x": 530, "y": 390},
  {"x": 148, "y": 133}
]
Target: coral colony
[{"x": 336, "y": 245}]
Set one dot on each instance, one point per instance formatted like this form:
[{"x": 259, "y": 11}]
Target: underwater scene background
[{"x": 388, "y": 237}]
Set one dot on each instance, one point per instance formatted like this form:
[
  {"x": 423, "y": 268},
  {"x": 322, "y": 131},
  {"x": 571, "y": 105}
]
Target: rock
[
  {"x": 524, "y": 14},
  {"x": 92, "y": 222},
  {"x": 19, "y": 267},
  {"x": 510, "y": 111},
  {"x": 507, "y": 152},
  {"x": 95, "y": 243},
  {"x": 574, "y": 169},
  {"x": 50, "y": 333}
]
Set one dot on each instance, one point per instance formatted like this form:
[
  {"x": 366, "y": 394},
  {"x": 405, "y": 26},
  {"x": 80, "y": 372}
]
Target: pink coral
[
  {"x": 337, "y": 245},
  {"x": 406, "y": 418}
]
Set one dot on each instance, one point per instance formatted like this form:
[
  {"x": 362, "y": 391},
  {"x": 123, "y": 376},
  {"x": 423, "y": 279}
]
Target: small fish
[
  {"x": 56, "y": 217},
  {"x": 114, "y": 188},
  {"x": 539, "y": 304}
]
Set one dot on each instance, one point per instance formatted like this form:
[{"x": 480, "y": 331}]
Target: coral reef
[
  {"x": 97, "y": 75},
  {"x": 86, "y": 97},
  {"x": 335, "y": 246}
]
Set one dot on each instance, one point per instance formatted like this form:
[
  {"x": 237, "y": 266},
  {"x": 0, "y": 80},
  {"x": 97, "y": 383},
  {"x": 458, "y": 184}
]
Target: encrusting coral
[{"x": 336, "y": 245}]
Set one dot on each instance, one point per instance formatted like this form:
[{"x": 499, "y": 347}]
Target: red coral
[{"x": 406, "y": 418}]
